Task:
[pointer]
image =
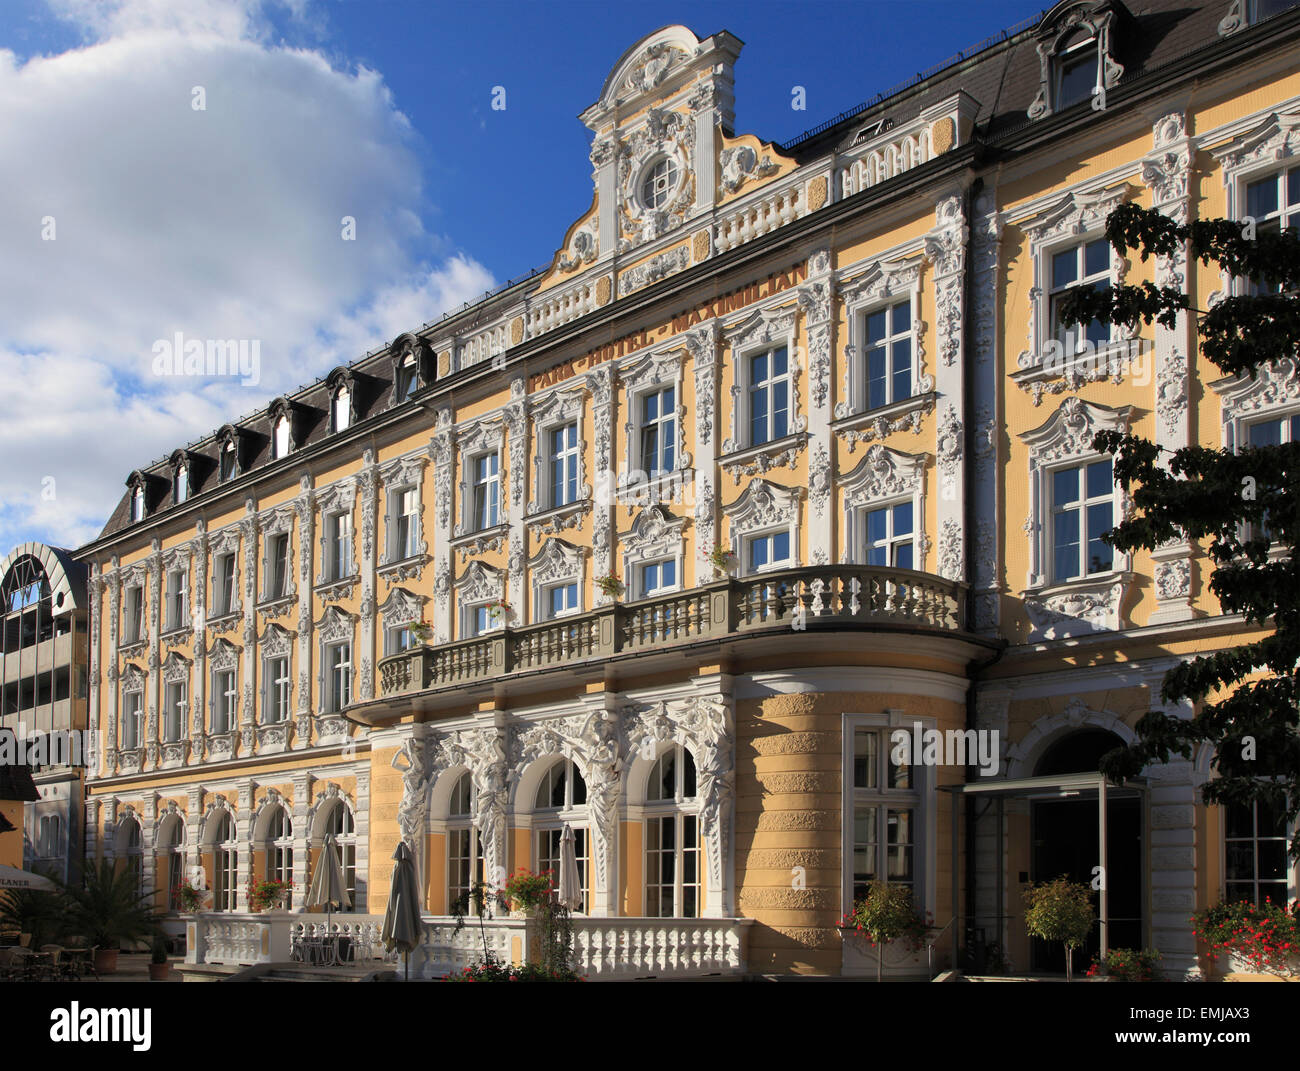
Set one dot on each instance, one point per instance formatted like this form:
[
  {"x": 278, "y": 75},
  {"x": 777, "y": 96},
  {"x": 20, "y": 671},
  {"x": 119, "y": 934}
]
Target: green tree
[
  {"x": 1060, "y": 910},
  {"x": 108, "y": 907},
  {"x": 1246, "y": 505}
]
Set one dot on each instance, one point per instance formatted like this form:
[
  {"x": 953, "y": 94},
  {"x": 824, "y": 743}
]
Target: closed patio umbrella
[
  {"x": 327, "y": 885},
  {"x": 570, "y": 890},
  {"x": 402, "y": 917},
  {"x": 13, "y": 878}
]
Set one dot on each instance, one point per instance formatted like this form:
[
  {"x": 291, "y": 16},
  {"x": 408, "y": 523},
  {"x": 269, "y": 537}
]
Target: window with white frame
[
  {"x": 225, "y": 700},
  {"x": 659, "y": 182},
  {"x": 279, "y": 848},
  {"x": 887, "y": 354},
  {"x": 181, "y": 484},
  {"x": 464, "y": 847},
  {"x": 483, "y": 617},
  {"x": 1272, "y": 431},
  {"x": 562, "y": 800},
  {"x": 486, "y": 491},
  {"x": 132, "y": 711},
  {"x": 338, "y": 676},
  {"x": 177, "y": 598},
  {"x": 888, "y": 532},
  {"x": 338, "y": 528},
  {"x": 886, "y": 806},
  {"x": 341, "y": 410},
  {"x": 1085, "y": 263},
  {"x": 672, "y": 837},
  {"x": 229, "y": 461},
  {"x": 277, "y": 562},
  {"x": 398, "y": 638},
  {"x": 133, "y": 614},
  {"x": 279, "y": 685},
  {"x": 131, "y": 845},
  {"x": 176, "y": 696},
  {"x": 768, "y": 391},
  {"x": 403, "y": 523},
  {"x": 223, "y": 584},
  {"x": 408, "y": 377},
  {"x": 657, "y": 431},
  {"x": 49, "y": 844},
  {"x": 1075, "y": 70},
  {"x": 1255, "y": 852},
  {"x": 1273, "y": 202},
  {"x": 562, "y": 459},
  {"x": 137, "y": 503},
  {"x": 169, "y": 857},
  {"x": 341, "y": 824},
  {"x": 767, "y": 550},
  {"x": 656, "y": 578},
  {"x": 283, "y": 437},
  {"x": 559, "y": 600},
  {"x": 225, "y": 887},
  {"x": 1083, "y": 508}
]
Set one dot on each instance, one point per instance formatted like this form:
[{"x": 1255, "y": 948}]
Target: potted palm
[
  {"x": 159, "y": 967},
  {"x": 109, "y": 908}
]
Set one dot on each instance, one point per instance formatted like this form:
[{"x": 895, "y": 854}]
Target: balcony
[{"x": 812, "y": 598}]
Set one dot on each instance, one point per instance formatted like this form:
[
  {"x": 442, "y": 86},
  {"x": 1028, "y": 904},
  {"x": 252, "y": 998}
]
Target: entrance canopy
[{"x": 1066, "y": 786}]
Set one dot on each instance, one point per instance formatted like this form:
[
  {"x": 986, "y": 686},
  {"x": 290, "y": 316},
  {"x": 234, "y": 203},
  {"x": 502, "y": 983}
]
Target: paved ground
[{"x": 134, "y": 967}]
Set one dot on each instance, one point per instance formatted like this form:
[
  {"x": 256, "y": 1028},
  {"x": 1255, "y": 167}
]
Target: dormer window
[
  {"x": 137, "y": 503},
  {"x": 1077, "y": 55},
  {"x": 341, "y": 410},
  {"x": 408, "y": 377},
  {"x": 181, "y": 483},
  {"x": 1243, "y": 13},
  {"x": 229, "y": 461},
  {"x": 283, "y": 439},
  {"x": 1076, "y": 71},
  {"x": 412, "y": 367}
]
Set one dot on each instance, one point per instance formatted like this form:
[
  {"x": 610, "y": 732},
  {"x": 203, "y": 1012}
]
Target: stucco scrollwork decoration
[
  {"x": 583, "y": 247},
  {"x": 703, "y": 347},
  {"x": 657, "y": 267},
  {"x": 276, "y": 642},
  {"x": 741, "y": 164},
  {"x": 412, "y": 762},
  {"x": 882, "y": 475},
  {"x": 1065, "y": 25},
  {"x": 664, "y": 135},
  {"x": 338, "y": 497},
  {"x": 764, "y": 506},
  {"x": 557, "y": 560},
  {"x": 554, "y": 410},
  {"x": 401, "y": 608},
  {"x": 655, "y": 534},
  {"x": 480, "y": 583},
  {"x": 1276, "y": 385}
]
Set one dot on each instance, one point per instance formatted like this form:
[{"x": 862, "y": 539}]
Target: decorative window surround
[
  {"x": 1241, "y": 13},
  {"x": 223, "y": 656},
  {"x": 395, "y": 476},
  {"x": 335, "y": 626},
  {"x": 763, "y": 508},
  {"x": 883, "y": 422},
  {"x": 1097, "y": 19},
  {"x": 885, "y": 282},
  {"x": 883, "y": 477},
  {"x": 1277, "y": 389},
  {"x": 227, "y": 541},
  {"x": 556, "y": 410},
  {"x": 1089, "y": 604},
  {"x": 478, "y": 585},
  {"x": 273, "y": 737},
  {"x": 401, "y": 608},
  {"x": 473, "y": 441},
  {"x": 655, "y": 535},
  {"x": 275, "y": 523},
  {"x": 763, "y": 329},
  {"x": 1113, "y": 362},
  {"x": 1064, "y": 221},
  {"x": 558, "y": 562},
  {"x": 173, "y": 753}
]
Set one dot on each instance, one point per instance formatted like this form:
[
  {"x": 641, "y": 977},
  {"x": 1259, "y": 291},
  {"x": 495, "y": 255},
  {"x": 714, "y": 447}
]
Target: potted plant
[
  {"x": 886, "y": 914},
  {"x": 610, "y": 586},
  {"x": 722, "y": 560},
  {"x": 189, "y": 897},
  {"x": 268, "y": 895},
  {"x": 1126, "y": 965},
  {"x": 525, "y": 892},
  {"x": 108, "y": 908},
  {"x": 1260, "y": 939},
  {"x": 499, "y": 610},
  {"x": 1060, "y": 910},
  {"x": 421, "y": 630},
  {"x": 159, "y": 967}
]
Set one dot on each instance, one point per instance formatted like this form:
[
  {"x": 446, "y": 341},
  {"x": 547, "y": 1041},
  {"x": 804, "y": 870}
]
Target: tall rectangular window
[
  {"x": 487, "y": 491},
  {"x": 1076, "y": 73},
  {"x": 278, "y": 581},
  {"x": 177, "y": 598},
  {"x": 1083, "y": 508},
  {"x": 340, "y": 545},
  {"x": 405, "y": 511},
  {"x": 564, "y": 464},
  {"x": 225, "y": 701},
  {"x": 133, "y": 625},
  {"x": 223, "y": 585},
  {"x": 1275, "y": 432},
  {"x": 1255, "y": 852},
  {"x": 658, "y": 431},
  {"x": 338, "y": 662},
  {"x": 889, "y": 533},
  {"x": 1273, "y": 203},
  {"x": 280, "y": 683},
  {"x": 229, "y": 462},
  {"x": 131, "y": 718},
  {"x": 1085, "y": 264},
  {"x": 885, "y": 814},
  {"x": 769, "y": 396},
  {"x": 889, "y": 355},
  {"x": 672, "y": 866},
  {"x": 174, "y": 711}
]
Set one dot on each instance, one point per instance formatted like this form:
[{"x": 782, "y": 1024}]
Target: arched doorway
[{"x": 1064, "y": 838}]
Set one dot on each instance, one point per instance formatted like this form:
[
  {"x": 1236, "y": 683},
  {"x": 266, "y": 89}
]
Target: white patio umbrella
[
  {"x": 402, "y": 918},
  {"x": 570, "y": 891},
  {"x": 13, "y": 878},
  {"x": 327, "y": 881}
]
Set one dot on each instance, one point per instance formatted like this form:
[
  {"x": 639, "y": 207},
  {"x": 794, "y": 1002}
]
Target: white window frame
[
  {"x": 677, "y": 809},
  {"x": 556, "y": 411},
  {"x": 1078, "y": 332},
  {"x": 459, "y": 822},
  {"x": 132, "y": 715},
  {"x": 492, "y": 485},
  {"x": 762, "y": 510},
  {"x": 340, "y": 409},
  {"x": 225, "y": 583},
  {"x": 181, "y": 484},
  {"x": 547, "y": 590},
  {"x": 133, "y": 614},
  {"x": 282, "y": 436},
  {"x": 399, "y": 549},
  {"x": 278, "y": 687},
  {"x": 225, "y": 865},
  {"x": 229, "y": 448},
  {"x": 137, "y": 504},
  {"x": 649, "y": 466},
  {"x": 339, "y": 534},
  {"x": 175, "y": 707},
  {"x": 334, "y": 701},
  {"x": 563, "y": 456},
  {"x": 1070, "y": 55},
  {"x": 550, "y": 820},
  {"x": 178, "y": 598},
  {"x": 1292, "y": 867},
  {"x": 1081, "y": 505},
  {"x": 763, "y": 331},
  {"x": 225, "y": 702},
  {"x": 557, "y": 563}
]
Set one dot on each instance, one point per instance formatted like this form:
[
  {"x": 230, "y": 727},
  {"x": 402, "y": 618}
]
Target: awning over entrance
[{"x": 1066, "y": 786}]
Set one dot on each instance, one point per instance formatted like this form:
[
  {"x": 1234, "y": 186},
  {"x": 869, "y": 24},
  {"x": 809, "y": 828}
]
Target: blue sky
[{"x": 224, "y": 222}]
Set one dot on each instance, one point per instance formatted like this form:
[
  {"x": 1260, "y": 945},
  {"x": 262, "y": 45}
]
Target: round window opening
[{"x": 659, "y": 183}]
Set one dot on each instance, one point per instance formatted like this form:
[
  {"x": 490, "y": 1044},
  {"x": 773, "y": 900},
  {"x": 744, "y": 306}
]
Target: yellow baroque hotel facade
[{"x": 799, "y": 400}]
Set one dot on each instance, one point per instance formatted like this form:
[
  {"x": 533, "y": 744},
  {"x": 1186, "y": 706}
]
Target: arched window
[
  {"x": 169, "y": 857},
  {"x": 131, "y": 850},
  {"x": 672, "y": 837},
  {"x": 279, "y": 846},
  {"x": 283, "y": 438},
  {"x": 562, "y": 800},
  {"x": 229, "y": 454},
  {"x": 341, "y": 409},
  {"x": 181, "y": 483},
  {"x": 408, "y": 377},
  {"x": 464, "y": 849},
  {"x": 340, "y": 822},
  {"x": 225, "y": 886},
  {"x": 137, "y": 503}
]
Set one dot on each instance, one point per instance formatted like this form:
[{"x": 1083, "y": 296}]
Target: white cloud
[{"x": 219, "y": 223}]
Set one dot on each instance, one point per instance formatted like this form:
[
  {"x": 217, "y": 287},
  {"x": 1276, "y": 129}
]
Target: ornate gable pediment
[
  {"x": 655, "y": 531},
  {"x": 223, "y": 655},
  {"x": 276, "y": 641},
  {"x": 764, "y": 505},
  {"x": 176, "y": 668},
  {"x": 1069, "y": 431},
  {"x": 1276, "y": 138},
  {"x": 335, "y": 624},
  {"x": 480, "y": 583},
  {"x": 884, "y": 473},
  {"x": 557, "y": 560}
]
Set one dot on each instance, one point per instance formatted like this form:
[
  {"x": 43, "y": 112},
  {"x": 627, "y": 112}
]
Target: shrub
[
  {"x": 1127, "y": 965},
  {"x": 887, "y": 914},
  {"x": 1060, "y": 910},
  {"x": 1266, "y": 936}
]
